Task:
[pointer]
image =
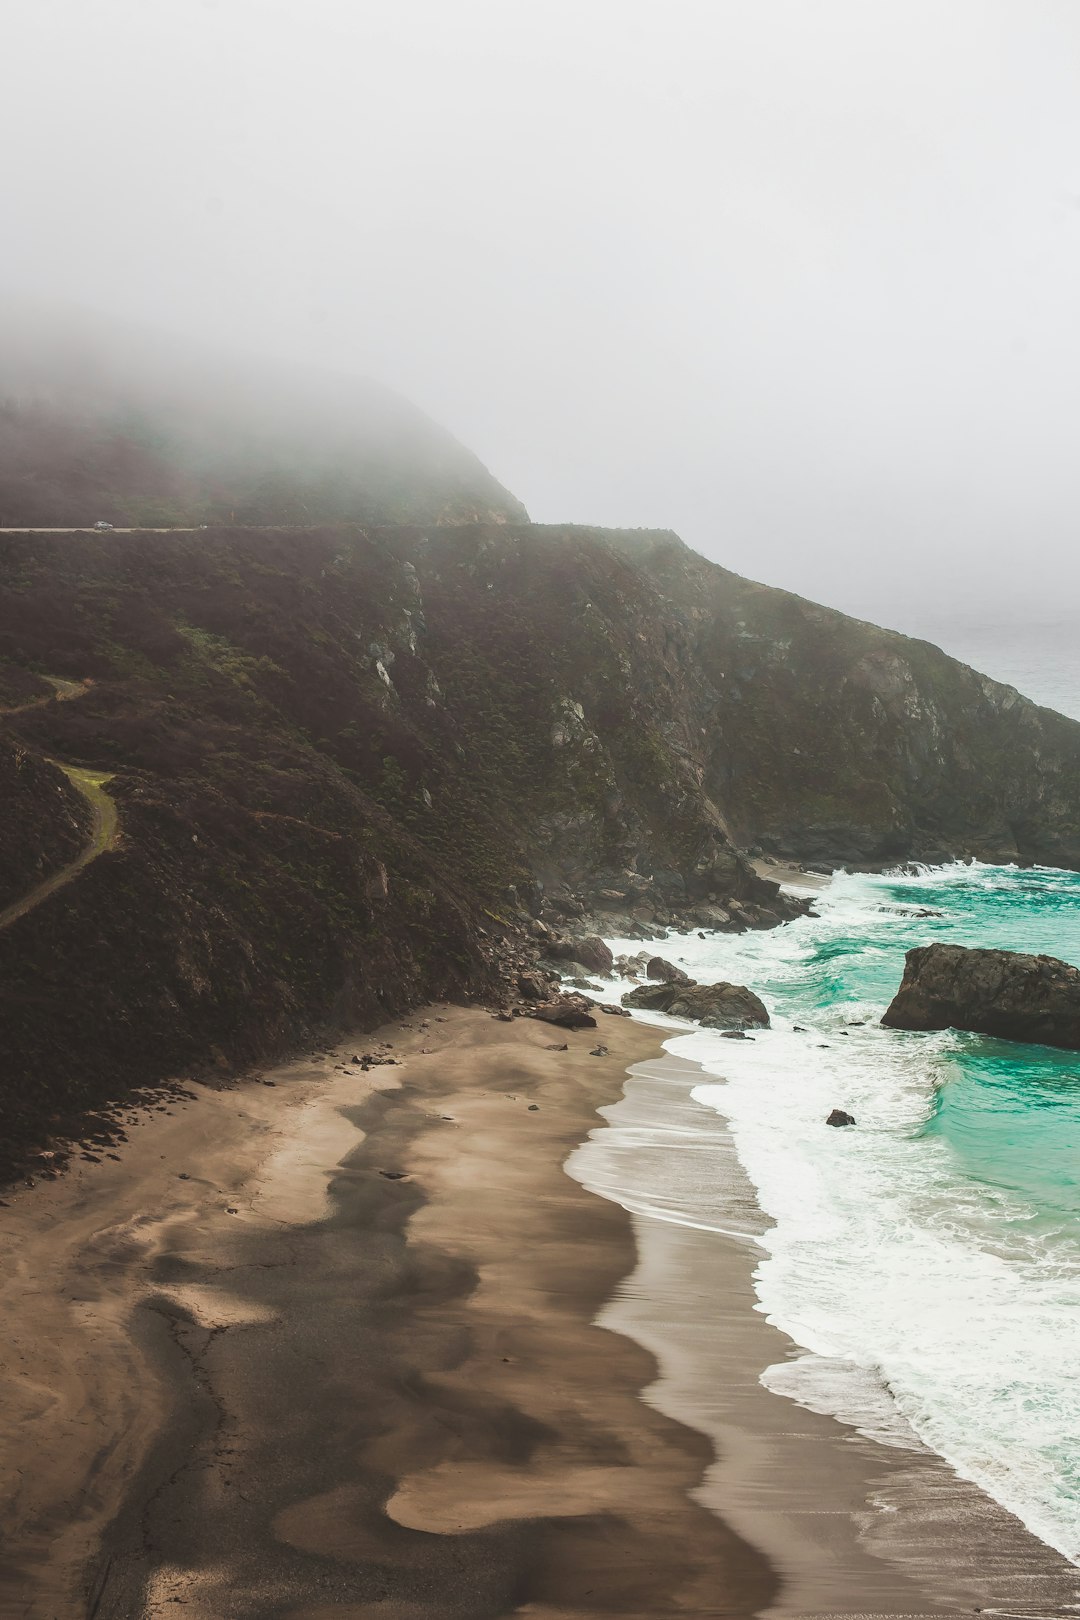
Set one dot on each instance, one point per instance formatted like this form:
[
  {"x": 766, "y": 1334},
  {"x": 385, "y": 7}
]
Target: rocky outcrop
[
  {"x": 634, "y": 905},
  {"x": 666, "y": 972},
  {"x": 717, "y": 1006},
  {"x": 357, "y": 767},
  {"x": 566, "y": 1012},
  {"x": 1007, "y": 994},
  {"x": 832, "y": 741},
  {"x": 589, "y": 951}
]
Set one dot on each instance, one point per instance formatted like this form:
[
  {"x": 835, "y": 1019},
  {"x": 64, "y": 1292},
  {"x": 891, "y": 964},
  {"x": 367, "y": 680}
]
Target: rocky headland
[
  {"x": 266, "y": 782},
  {"x": 353, "y": 768}
]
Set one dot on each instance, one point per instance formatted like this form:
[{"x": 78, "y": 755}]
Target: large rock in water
[
  {"x": 667, "y": 972},
  {"x": 1004, "y": 993},
  {"x": 717, "y": 1006}
]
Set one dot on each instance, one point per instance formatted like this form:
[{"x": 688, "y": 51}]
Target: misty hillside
[
  {"x": 99, "y": 421},
  {"x": 352, "y": 767}
]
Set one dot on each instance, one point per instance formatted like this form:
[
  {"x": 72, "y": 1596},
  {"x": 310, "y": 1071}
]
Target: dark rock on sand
[
  {"x": 568, "y": 1012},
  {"x": 717, "y": 1006},
  {"x": 1007, "y": 994}
]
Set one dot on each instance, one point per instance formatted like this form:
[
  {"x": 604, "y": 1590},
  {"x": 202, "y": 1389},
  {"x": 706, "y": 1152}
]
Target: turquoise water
[
  {"x": 1010, "y": 1113},
  {"x": 928, "y": 1261}
]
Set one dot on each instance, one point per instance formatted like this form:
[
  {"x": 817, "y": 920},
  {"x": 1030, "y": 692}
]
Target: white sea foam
[{"x": 931, "y": 1304}]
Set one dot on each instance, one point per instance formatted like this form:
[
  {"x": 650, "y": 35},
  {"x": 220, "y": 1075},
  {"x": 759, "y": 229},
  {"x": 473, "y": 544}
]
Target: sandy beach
[{"x": 326, "y": 1344}]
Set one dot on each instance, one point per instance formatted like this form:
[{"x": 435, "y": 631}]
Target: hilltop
[{"x": 100, "y": 421}]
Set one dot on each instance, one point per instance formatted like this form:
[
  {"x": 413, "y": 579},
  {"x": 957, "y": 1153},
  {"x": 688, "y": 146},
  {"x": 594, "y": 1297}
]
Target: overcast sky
[{"x": 798, "y": 278}]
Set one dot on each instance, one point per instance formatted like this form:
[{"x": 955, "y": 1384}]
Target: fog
[{"x": 797, "y": 278}]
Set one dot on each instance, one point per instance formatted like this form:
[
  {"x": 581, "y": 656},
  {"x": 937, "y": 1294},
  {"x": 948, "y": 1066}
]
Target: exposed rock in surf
[
  {"x": 717, "y": 1006},
  {"x": 1007, "y": 994},
  {"x": 657, "y": 968},
  {"x": 840, "y": 1116}
]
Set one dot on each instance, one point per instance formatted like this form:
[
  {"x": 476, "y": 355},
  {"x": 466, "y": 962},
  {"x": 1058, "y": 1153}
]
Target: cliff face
[
  {"x": 831, "y": 739},
  {"x": 345, "y": 760}
]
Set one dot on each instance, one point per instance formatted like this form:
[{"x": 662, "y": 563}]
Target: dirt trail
[
  {"x": 105, "y": 825},
  {"x": 103, "y": 833},
  {"x": 63, "y": 691}
]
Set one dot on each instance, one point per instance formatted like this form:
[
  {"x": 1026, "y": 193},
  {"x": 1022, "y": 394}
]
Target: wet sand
[
  {"x": 350, "y": 1366},
  {"x": 850, "y": 1525}
]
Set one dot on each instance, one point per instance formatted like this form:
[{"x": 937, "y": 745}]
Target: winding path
[{"x": 105, "y": 822}]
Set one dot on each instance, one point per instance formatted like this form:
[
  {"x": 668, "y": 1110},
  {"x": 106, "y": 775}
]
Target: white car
[{"x": 102, "y": 526}]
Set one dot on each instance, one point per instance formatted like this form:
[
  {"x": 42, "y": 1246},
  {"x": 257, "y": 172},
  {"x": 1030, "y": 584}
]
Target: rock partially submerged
[
  {"x": 717, "y": 1006},
  {"x": 1007, "y": 994},
  {"x": 840, "y": 1116},
  {"x": 666, "y": 972}
]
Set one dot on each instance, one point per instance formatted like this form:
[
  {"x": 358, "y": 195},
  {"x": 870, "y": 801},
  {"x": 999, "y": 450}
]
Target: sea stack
[{"x": 1007, "y": 994}]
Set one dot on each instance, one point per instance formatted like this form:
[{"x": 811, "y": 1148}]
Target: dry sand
[
  {"x": 350, "y": 1367},
  {"x": 357, "y": 1394}
]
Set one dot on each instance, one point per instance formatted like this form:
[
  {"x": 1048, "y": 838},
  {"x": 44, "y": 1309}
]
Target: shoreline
[
  {"x": 850, "y": 1524},
  {"x": 350, "y": 1342}
]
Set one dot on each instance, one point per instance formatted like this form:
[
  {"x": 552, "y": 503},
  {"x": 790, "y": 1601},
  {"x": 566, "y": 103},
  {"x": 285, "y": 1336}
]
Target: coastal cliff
[{"x": 326, "y": 773}]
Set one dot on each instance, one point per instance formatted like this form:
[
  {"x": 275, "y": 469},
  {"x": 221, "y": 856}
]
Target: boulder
[
  {"x": 594, "y": 954},
  {"x": 534, "y": 985},
  {"x": 650, "y": 997},
  {"x": 632, "y": 967},
  {"x": 714, "y": 918},
  {"x": 840, "y": 1116},
  {"x": 590, "y": 951},
  {"x": 567, "y": 1012},
  {"x": 717, "y": 1006},
  {"x": 666, "y": 972},
  {"x": 1007, "y": 994}
]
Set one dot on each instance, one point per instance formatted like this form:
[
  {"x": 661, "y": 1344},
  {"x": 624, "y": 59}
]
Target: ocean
[{"x": 928, "y": 1260}]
